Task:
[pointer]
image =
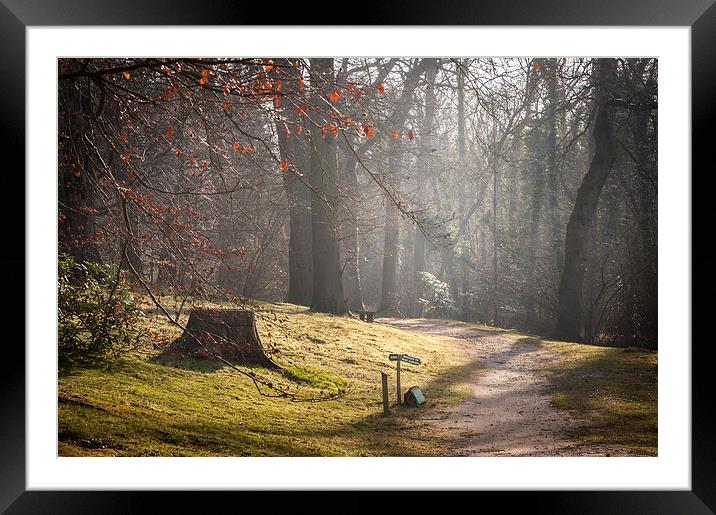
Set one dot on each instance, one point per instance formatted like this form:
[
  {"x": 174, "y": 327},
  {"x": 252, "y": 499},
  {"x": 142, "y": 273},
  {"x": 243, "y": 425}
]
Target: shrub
[
  {"x": 435, "y": 296},
  {"x": 98, "y": 318}
]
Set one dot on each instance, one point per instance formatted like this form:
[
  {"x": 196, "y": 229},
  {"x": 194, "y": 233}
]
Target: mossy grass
[
  {"x": 157, "y": 404},
  {"x": 613, "y": 390}
]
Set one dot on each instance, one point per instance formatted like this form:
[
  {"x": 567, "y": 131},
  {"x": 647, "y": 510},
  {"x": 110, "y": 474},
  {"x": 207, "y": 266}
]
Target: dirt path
[{"x": 508, "y": 412}]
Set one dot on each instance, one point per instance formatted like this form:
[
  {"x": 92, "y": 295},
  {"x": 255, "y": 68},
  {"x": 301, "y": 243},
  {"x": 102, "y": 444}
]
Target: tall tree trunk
[
  {"x": 327, "y": 283},
  {"x": 450, "y": 252},
  {"x": 552, "y": 174},
  {"x": 536, "y": 177},
  {"x": 294, "y": 149},
  {"x": 76, "y": 175},
  {"x": 496, "y": 245},
  {"x": 428, "y": 143},
  {"x": 350, "y": 242},
  {"x": 389, "y": 297},
  {"x": 388, "y": 303},
  {"x": 647, "y": 212},
  {"x": 569, "y": 321}
]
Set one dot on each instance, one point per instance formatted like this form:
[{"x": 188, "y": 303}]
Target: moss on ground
[{"x": 154, "y": 404}]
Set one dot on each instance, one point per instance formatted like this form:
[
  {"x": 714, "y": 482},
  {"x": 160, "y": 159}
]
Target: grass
[
  {"x": 613, "y": 391},
  {"x": 153, "y": 404}
]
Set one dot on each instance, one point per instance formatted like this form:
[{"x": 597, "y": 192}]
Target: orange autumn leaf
[
  {"x": 332, "y": 129},
  {"x": 381, "y": 88},
  {"x": 179, "y": 153},
  {"x": 301, "y": 84},
  {"x": 130, "y": 175},
  {"x": 203, "y": 81},
  {"x": 246, "y": 150},
  {"x": 170, "y": 131},
  {"x": 205, "y": 164},
  {"x": 284, "y": 165},
  {"x": 299, "y": 130},
  {"x": 227, "y": 106},
  {"x": 394, "y": 134},
  {"x": 538, "y": 66},
  {"x": 335, "y": 95},
  {"x": 277, "y": 101},
  {"x": 126, "y": 75},
  {"x": 204, "y": 73},
  {"x": 368, "y": 130},
  {"x": 236, "y": 146},
  {"x": 279, "y": 84}
]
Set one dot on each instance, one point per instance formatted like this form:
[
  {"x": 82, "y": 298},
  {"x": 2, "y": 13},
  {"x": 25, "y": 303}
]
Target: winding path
[{"x": 508, "y": 411}]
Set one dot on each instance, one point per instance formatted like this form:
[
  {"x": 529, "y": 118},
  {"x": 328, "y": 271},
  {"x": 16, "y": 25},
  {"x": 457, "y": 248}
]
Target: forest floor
[
  {"x": 541, "y": 398},
  {"x": 489, "y": 392}
]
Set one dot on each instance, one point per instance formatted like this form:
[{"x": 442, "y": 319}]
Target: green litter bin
[{"x": 414, "y": 397}]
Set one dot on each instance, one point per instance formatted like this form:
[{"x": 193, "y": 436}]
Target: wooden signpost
[
  {"x": 398, "y": 358},
  {"x": 384, "y": 384}
]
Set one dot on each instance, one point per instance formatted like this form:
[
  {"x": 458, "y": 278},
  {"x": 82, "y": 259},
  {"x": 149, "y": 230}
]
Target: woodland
[{"x": 224, "y": 222}]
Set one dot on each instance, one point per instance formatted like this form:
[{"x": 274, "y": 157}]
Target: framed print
[{"x": 358, "y": 257}]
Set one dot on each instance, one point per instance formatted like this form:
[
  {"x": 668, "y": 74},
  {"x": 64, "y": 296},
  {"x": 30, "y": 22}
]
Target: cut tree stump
[{"x": 228, "y": 333}]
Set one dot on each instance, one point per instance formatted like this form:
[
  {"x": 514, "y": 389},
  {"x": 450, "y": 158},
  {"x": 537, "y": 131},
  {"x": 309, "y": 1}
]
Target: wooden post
[
  {"x": 384, "y": 382},
  {"x": 400, "y": 400}
]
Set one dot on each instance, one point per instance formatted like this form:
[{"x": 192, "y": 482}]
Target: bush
[
  {"x": 98, "y": 318},
  {"x": 435, "y": 297}
]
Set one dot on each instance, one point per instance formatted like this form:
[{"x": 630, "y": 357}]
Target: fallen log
[{"x": 228, "y": 333}]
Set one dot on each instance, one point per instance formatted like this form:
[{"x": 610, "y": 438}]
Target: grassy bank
[
  {"x": 154, "y": 404},
  {"x": 614, "y": 390}
]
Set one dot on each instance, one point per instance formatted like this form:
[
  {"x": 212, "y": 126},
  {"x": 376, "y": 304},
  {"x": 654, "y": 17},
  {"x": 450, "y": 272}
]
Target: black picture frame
[{"x": 700, "y": 15}]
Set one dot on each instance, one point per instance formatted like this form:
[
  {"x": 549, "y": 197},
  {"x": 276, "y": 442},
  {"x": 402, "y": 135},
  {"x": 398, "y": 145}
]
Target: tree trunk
[
  {"x": 449, "y": 254},
  {"x": 350, "y": 237},
  {"x": 551, "y": 172},
  {"x": 496, "y": 303},
  {"x": 294, "y": 149},
  {"x": 388, "y": 303},
  {"x": 569, "y": 321},
  {"x": 327, "y": 283},
  {"x": 424, "y": 169},
  {"x": 227, "y": 333},
  {"x": 76, "y": 228},
  {"x": 536, "y": 174},
  {"x": 389, "y": 297}
]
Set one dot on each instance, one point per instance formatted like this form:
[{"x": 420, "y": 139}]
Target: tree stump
[{"x": 228, "y": 333}]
